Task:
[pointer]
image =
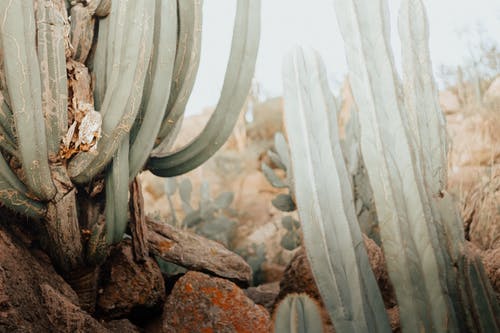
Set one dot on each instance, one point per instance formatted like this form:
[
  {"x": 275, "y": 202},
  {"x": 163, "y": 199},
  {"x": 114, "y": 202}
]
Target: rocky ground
[{"x": 135, "y": 296}]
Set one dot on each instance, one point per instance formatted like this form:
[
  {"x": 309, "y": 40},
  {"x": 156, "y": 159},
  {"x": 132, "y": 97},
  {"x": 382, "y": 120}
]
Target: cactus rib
[
  {"x": 332, "y": 235},
  {"x": 50, "y": 23},
  {"x": 298, "y": 313},
  {"x": 187, "y": 61},
  {"x": 117, "y": 194},
  {"x": 235, "y": 89}
]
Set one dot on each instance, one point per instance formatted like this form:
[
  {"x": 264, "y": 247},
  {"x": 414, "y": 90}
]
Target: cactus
[
  {"x": 63, "y": 138},
  {"x": 332, "y": 236},
  {"x": 298, "y": 313},
  {"x": 439, "y": 285}
]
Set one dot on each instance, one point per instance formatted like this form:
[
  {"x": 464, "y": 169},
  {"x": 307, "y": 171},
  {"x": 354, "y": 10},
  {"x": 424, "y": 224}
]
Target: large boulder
[
  {"x": 201, "y": 303},
  {"x": 33, "y": 297},
  {"x": 130, "y": 288}
]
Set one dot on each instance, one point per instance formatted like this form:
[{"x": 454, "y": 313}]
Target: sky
[{"x": 454, "y": 26}]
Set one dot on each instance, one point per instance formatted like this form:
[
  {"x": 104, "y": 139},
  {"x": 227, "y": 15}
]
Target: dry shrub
[{"x": 475, "y": 139}]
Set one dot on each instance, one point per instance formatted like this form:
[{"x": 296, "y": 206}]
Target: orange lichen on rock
[{"x": 201, "y": 303}]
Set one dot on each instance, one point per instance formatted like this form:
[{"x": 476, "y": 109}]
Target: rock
[
  {"x": 265, "y": 294},
  {"x": 377, "y": 262},
  {"x": 195, "y": 252},
  {"x": 122, "y": 326},
  {"x": 33, "y": 297},
  {"x": 298, "y": 278},
  {"x": 129, "y": 288},
  {"x": 66, "y": 316},
  {"x": 200, "y": 303}
]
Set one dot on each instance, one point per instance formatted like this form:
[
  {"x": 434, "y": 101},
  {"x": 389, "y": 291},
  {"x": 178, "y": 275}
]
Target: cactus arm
[
  {"x": 421, "y": 100},
  {"x": 187, "y": 61},
  {"x": 117, "y": 194},
  {"x": 154, "y": 99},
  {"x": 407, "y": 234},
  {"x": 332, "y": 236},
  {"x": 50, "y": 22},
  {"x": 124, "y": 87},
  {"x": 298, "y": 313},
  {"x": 235, "y": 89},
  {"x": 23, "y": 79}
]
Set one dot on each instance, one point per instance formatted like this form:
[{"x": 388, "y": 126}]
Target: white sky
[{"x": 286, "y": 23}]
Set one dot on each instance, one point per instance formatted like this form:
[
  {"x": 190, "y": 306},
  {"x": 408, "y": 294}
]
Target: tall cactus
[
  {"x": 71, "y": 135},
  {"x": 404, "y": 146},
  {"x": 325, "y": 201},
  {"x": 440, "y": 286}
]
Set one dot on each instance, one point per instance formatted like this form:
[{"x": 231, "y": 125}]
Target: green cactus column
[{"x": 332, "y": 235}]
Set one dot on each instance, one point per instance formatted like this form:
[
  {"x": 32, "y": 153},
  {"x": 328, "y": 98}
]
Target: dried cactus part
[
  {"x": 82, "y": 31},
  {"x": 125, "y": 78}
]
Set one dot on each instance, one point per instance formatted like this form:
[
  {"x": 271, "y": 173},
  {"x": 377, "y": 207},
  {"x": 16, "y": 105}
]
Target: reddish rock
[
  {"x": 264, "y": 295},
  {"x": 33, "y": 297},
  {"x": 200, "y": 303},
  {"x": 129, "y": 287}
]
